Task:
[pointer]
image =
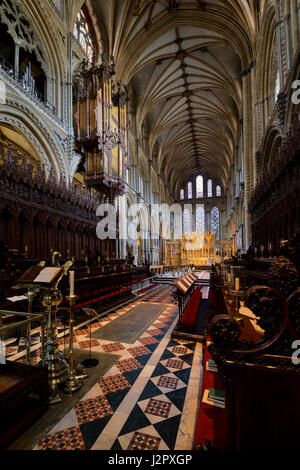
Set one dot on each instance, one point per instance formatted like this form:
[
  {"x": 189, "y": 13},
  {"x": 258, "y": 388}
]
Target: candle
[
  {"x": 237, "y": 284},
  {"x": 228, "y": 277},
  {"x": 98, "y": 260},
  {"x": 71, "y": 283}
]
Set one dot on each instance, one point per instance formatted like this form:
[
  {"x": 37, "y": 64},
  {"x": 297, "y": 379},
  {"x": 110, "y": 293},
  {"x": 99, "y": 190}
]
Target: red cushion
[{"x": 190, "y": 315}]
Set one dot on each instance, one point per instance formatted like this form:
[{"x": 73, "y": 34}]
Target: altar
[{"x": 196, "y": 248}]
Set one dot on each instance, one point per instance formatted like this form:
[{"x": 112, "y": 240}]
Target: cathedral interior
[{"x": 149, "y": 225}]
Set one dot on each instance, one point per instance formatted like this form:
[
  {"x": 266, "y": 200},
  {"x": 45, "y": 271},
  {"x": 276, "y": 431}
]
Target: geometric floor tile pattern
[
  {"x": 113, "y": 383},
  {"x": 92, "y": 409},
  {"x": 69, "y": 439},
  {"x": 142, "y": 400},
  {"x": 142, "y": 441}
]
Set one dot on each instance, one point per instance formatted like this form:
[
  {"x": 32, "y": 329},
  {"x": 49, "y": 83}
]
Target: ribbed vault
[{"x": 185, "y": 61}]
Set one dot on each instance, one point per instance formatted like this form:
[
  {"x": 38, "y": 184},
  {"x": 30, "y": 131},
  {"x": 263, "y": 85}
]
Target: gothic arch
[
  {"x": 272, "y": 143},
  {"x": 266, "y": 47},
  {"x": 35, "y": 131}
]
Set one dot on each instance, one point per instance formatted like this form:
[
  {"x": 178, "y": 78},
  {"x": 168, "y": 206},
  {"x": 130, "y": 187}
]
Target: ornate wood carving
[
  {"x": 45, "y": 206},
  {"x": 274, "y": 204},
  {"x": 283, "y": 276}
]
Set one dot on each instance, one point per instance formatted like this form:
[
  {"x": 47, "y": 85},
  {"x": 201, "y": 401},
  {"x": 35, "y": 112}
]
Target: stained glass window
[
  {"x": 181, "y": 194},
  {"x": 82, "y": 33},
  {"x": 209, "y": 188},
  {"x": 190, "y": 190},
  {"x": 199, "y": 186},
  {"x": 218, "y": 191},
  {"x": 215, "y": 222},
  {"x": 186, "y": 222},
  {"x": 200, "y": 219}
]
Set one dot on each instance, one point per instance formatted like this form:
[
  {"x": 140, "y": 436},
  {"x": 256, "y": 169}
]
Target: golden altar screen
[{"x": 195, "y": 248}]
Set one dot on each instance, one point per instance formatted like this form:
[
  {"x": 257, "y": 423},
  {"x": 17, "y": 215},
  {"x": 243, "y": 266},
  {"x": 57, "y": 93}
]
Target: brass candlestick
[
  {"x": 52, "y": 358},
  {"x": 237, "y": 306},
  {"x": 72, "y": 383}
]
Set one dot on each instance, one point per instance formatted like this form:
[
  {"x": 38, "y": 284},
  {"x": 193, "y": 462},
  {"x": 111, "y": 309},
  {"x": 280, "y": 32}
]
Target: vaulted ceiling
[{"x": 184, "y": 60}]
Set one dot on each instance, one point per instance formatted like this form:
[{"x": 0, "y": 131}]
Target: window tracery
[
  {"x": 199, "y": 186},
  {"x": 82, "y": 34},
  {"x": 21, "y": 30},
  {"x": 190, "y": 190},
  {"x": 186, "y": 222},
  {"x": 209, "y": 188},
  {"x": 215, "y": 222},
  {"x": 200, "y": 219}
]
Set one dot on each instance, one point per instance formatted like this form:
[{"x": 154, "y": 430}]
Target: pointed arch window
[
  {"x": 199, "y": 186},
  {"x": 190, "y": 190},
  {"x": 82, "y": 34},
  {"x": 209, "y": 188},
  {"x": 200, "y": 219},
  {"x": 186, "y": 222},
  {"x": 218, "y": 191},
  {"x": 215, "y": 222},
  {"x": 181, "y": 194}
]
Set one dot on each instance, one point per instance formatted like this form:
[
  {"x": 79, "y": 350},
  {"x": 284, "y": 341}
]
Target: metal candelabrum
[
  {"x": 52, "y": 357},
  {"x": 72, "y": 383}
]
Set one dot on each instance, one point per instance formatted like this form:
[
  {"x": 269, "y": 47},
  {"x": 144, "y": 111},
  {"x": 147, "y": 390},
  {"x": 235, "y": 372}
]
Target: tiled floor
[{"x": 149, "y": 397}]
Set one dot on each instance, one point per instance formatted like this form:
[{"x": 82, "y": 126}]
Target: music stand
[{"x": 90, "y": 362}]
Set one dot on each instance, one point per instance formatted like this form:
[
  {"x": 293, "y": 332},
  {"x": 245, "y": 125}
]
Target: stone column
[
  {"x": 287, "y": 40},
  {"x": 298, "y": 14},
  {"x": 207, "y": 221},
  {"x": 63, "y": 101},
  {"x": 54, "y": 100},
  {"x": 150, "y": 198},
  {"x": 69, "y": 96},
  {"x": 278, "y": 45},
  {"x": 17, "y": 58},
  {"x": 122, "y": 226},
  {"x": 248, "y": 139}
]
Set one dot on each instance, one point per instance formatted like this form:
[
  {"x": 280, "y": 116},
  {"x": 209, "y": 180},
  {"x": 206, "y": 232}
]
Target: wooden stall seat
[
  {"x": 23, "y": 394},
  {"x": 189, "y": 318},
  {"x": 211, "y": 420}
]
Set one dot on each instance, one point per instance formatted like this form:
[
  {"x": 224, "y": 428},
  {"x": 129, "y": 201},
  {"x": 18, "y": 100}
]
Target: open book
[{"x": 41, "y": 275}]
